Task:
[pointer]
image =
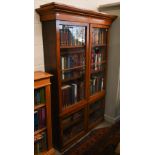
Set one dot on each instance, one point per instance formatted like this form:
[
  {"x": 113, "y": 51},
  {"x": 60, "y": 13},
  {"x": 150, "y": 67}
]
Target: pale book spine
[{"x": 63, "y": 67}]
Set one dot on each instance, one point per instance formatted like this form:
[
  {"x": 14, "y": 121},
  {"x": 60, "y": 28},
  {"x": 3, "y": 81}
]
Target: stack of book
[
  {"x": 98, "y": 36},
  {"x": 39, "y": 96},
  {"x": 39, "y": 118},
  {"x": 72, "y": 93},
  {"x": 72, "y": 35},
  {"x": 40, "y": 143},
  {"x": 96, "y": 84}
]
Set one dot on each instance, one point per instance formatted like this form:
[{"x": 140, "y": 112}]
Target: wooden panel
[
  {"x": 41, "y": 75},
  {"x": 41, "y": 83},
  {"x": 48, "y": 115}
]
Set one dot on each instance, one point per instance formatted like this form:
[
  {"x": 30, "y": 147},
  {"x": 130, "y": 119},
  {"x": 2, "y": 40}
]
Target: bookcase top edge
[
  {"x": 41, "y": 75},
  {"x": 59, "y": 7}
]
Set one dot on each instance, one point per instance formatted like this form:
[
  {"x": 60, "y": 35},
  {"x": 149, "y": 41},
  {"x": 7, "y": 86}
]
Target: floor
[{"x": 101, "y": 125}]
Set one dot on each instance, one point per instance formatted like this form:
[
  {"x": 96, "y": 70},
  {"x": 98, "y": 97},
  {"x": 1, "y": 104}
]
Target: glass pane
[
  {"x": 72, "y": 125},
  {"x": 96, "y": 111},
  {"x": 73, "y": 63},
  {"x": 71, "y": 35},
  {"x": 98, "y": 36},
  {"x": 98, "y": 60}
]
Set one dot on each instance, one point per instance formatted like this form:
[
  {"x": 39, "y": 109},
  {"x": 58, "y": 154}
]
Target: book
[
  {"x": 63, "y": 66},
  {"x": 36, "y": 123},
  {"x": 74, "y": 93},
  {"x": 66, "y": 100}
]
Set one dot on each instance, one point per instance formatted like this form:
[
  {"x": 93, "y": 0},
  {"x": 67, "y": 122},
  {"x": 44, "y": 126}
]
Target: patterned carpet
[{"x": 101, "y": 141}]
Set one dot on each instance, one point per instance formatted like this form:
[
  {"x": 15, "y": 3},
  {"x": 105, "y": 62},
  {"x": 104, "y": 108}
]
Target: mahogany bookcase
[{"x": 75, "y": 45}]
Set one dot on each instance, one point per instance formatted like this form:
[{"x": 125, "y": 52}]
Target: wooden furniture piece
[
  {"x": 75, "y": 50},
  {"x": 42, "y": 114}
]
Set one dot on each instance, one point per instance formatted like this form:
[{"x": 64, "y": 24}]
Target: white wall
[
  {"x": 38, "y": 43},
  {"x": 112, "y": 106}
]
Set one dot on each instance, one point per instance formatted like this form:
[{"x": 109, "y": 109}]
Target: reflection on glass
[
  {"x": 72, "y": 35},
  {"x": 96, "y": 111},
  {"x": 72, "y": 125},
  {"x": 98, "y": 35}
]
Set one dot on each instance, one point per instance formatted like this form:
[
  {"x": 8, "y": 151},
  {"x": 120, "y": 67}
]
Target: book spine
[
  {"x": 35, "y": 120},
  {"x": 43, "y": 113},
  {"x": 63, "y": 67}
]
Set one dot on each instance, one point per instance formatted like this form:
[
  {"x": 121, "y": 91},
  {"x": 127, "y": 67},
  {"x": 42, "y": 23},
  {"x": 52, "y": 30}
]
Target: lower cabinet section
[
  {"x": 72, "y": 126},
  {"x": 78, "y": 123},
  {"x": 95, "y": 113}
]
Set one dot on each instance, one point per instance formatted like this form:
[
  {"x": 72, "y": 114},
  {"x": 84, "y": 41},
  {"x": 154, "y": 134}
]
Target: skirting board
[{"x": 111, "y": 119}]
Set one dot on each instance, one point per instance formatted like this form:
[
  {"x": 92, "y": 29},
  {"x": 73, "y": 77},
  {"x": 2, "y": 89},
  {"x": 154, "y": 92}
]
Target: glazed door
[
  {"x": 73, "y": 46},
  {"x": 98, "y": 59}
]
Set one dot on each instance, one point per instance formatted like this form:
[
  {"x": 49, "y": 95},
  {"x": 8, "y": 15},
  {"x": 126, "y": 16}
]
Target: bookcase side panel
[{"x": 51, "y": 61}]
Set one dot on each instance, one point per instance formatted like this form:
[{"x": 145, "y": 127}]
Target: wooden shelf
[
  {"x": 39, "y": 106},
  {"x": 78, "y": 46},
  {"x": 68, "y": 124},
  {"x": 99, "y": 45},
  {"x": 74, "y": 137},
  {"x": 72, "y": 78},
  {"x": 39, "y": 131},
  {"x": 99, "y": 63},
  {"x": 96, "y": 71},
  {"x": 73, "y": 107},
  {"x": 77, "y": 67},
  {"x": 68, "y": 51}
]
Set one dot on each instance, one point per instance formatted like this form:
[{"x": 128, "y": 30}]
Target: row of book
[
  {"x": 40, "y": 143},
  {"x": 98, "y": 36},
  {"x": 96, "y": 84},
  {"x": 71, "y": 61},
  {"x": 77, "y": 73},
  {"x": 39, "y": 118},
  {"x": 39, "y": 96},
  {"x": 72, "y": 93},
  {"x": 72, "y": 35},
  {"x": 96, "y": 60}
]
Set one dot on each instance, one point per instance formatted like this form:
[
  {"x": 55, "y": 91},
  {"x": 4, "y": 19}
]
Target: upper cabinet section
[
  {"x": 59, "y": 11},
  {"x": 72, "y": 52}
]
